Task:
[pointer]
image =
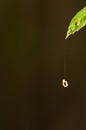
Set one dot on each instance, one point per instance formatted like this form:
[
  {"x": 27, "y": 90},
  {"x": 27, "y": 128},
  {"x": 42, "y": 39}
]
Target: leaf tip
[{"x": 67, "y": 35}]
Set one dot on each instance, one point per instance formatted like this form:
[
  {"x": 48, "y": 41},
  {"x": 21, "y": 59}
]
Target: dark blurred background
[{"x": 32, "y": 39}]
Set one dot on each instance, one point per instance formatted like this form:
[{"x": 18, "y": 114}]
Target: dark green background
[{"x": 31, "y": 66}]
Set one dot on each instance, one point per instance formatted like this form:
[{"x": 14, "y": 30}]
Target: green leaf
[{"x": 77, "y": 22}]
